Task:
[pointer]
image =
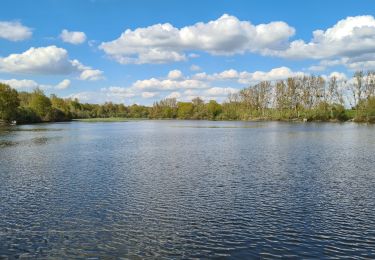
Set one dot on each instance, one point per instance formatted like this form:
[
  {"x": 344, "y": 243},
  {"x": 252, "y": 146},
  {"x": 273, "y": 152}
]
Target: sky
[{"x": 142, "y": 51}]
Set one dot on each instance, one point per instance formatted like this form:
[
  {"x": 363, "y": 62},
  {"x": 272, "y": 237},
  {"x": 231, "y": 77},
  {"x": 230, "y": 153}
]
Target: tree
[
  {"x": 199, "y": 111},
  {"x": 357, "y": 88},
  {"x": 281, "y": 103},
  {"x": 166, "y": 108},
  {"x": 59, "y": 104},
  {"x": 293, "y": 95},
  {"x": 263, "y": 90},
  {"x": 40, "y": 103},
  {"x": 369, "y": 88},
  {"x": 24, "y": 98},
  {"x": 9, "y": 103},
  {"x": 197, "y": 101},
  {"x": 185, "y": 110},
  {"x": 213, "y": 109}
]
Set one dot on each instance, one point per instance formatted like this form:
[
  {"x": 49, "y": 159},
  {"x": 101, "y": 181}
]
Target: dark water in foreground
[{"x": 184, "y": 189}]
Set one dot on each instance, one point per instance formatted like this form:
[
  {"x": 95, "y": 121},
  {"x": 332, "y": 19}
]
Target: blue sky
[{"x": 142, "y": 51}]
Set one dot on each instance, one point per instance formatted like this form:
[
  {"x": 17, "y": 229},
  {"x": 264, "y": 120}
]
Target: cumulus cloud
[
  {"x": 361, "y": 65},
  {"x": 274, "y": 74},
  {"x": 184, "y": 88},
  {"x": 360, "y": 62},
  {"x": 20, "y": 84},
  {"x": 227, "y": 74},
  {"x": 91, "y": 74},
  {"x": 245, "y": 77},
  {"x": 161, "y": 43},
  {"x": 175, "y": 74},
  {"x": 43, "y": 60},
  {"x": 352, "y": 40},
  {"x": 73, "y": 37},
  {"x": 27, "y": 84},
  {"x": 168, "y": 84},
  {"x": 175, "y": 81},
  {"x": 47, "y": 60},
  {"x": 350, "y": 37},
  {"x": 63, "y": 84},
  {"x": 14, "y": 31}
]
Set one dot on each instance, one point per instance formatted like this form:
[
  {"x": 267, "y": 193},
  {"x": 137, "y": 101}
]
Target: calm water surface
[{"x": 187, "y": 189}]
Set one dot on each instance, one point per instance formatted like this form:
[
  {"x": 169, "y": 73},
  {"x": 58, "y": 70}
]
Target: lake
[{"x": 187, "y": 189}]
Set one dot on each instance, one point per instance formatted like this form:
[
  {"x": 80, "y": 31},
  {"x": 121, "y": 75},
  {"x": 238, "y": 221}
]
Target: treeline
[
  {"x": 35, "y": 107},
  {"x": 308, "y": 98}
]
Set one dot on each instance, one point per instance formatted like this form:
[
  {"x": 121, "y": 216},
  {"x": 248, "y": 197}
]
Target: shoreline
[{"x": 120, "y": 119}]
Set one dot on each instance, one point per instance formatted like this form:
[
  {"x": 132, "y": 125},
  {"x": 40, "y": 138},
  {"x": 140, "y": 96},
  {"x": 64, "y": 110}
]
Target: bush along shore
[{"x": 307, "y": 98}]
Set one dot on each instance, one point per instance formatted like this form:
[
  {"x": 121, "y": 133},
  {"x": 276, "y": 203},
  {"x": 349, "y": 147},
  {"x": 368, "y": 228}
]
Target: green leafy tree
[
  {"x": 40, "y": 103},
  {"x": 213, "y": 109},
  {"x": 9, "y": 103},
  {"x": 199, "y": 111},
  {"x": 185, "y": 110}
]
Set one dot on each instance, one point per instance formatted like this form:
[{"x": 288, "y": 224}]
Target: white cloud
[
  {"x": 351, "y": 41},
  {"x": 174, "y": 94},
  {"x": 118, "y": 92},
  {"x": 201, "y": 76},
  {"x": 349, "y": 37},
  {"x": 167, "y": 84},
  {"x": 63, "y": 84},
  {"x": 111, "y": 94},
  {"x": 20, "y": 84},
  {"x": 216, "y": 91},
  {"x": 360, "y": 62},
  {"x": 361, "y": 65},
  {"x": 228, "y": 74},
  {"x": 147, "y": 94},
  {"x": 87, "y": 96},
  {"x": 47, "y": 60},
  {"x": 14, "y": 31},
  {"x": 27, "y": 84},
  {"x": 245, "y": 77},
  {"x": 73, "y": 37},
  {"x": 43, "y": 60},
  {"x": 161, "y": 43},
  {"x": 274, "y": 74},
  {"x": 91, "y": 74},
  {"x": 175, "y": 74},
  {"x": 185, "y": 88},
  {"x": 340, "y": 77},
  {"x": 203, "y": 81}
]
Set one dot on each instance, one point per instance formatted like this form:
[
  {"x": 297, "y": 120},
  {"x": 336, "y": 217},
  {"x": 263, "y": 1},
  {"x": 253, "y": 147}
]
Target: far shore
[{"x": 121, "y": 119}]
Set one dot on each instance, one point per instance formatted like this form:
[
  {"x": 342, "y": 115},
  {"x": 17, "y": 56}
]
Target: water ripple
[{"x": 151, "y": 190}]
